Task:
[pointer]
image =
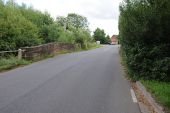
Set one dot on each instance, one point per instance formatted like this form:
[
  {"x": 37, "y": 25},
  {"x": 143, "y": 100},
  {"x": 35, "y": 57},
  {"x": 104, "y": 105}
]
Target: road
[{"x": 83, "y": 82}]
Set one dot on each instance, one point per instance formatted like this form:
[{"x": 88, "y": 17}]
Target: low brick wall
[{"x": 36, "y": 52}]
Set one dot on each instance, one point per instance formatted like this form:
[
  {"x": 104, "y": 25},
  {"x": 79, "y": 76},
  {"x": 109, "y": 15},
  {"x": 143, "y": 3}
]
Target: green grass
[
  {"x": 90, "y": 47},
  {"x": 94, "y": 46},
  {"x": 12, "y": 62},
  {"x": 160, "y": 90}
]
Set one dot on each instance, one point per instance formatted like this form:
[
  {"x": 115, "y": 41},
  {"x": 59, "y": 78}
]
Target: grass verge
[
  {"x": 94, "y": 46},
  {"x": 160, "y": 91},
  {"x": 12, "y": 62}
]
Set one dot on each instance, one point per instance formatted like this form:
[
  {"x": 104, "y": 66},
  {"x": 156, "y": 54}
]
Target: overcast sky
[{"x": 100, "y": 13}]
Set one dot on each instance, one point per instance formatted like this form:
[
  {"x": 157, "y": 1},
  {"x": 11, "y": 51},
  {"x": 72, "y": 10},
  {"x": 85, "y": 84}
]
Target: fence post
[{"x": 19, "y": 54}]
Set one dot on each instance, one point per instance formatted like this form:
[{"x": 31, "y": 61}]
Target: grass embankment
[
  {"x": 13, "y": 62},
  {"x": 160, "y": 90}
]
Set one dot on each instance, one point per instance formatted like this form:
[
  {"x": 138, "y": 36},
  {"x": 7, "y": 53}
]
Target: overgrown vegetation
[
  {"x": 160, "y": 90},
  {"x": 12, "y": 62},
  {"x": 22, "y": 26},
  {"x": 145, "y": 38}
]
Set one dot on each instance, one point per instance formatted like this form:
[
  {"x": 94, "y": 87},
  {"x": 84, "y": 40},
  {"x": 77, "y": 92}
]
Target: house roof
[{"x": 114, "y": 36}]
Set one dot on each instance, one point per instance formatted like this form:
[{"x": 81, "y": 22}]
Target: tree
[
  {"x": 61, "y": 20},
  {"x": 108, "y": 40},
  {"x": 76, "y": 26},
  {"x": 77, "y": 21},
  {"x": 100, "y": 35},
  {"x": 73, "y": 20}
]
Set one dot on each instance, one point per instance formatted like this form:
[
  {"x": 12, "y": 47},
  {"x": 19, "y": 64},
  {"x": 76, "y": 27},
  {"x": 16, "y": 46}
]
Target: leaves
[
  {"x": 144, "y": 35},
  {"x": 100, "y": 35},
  {"x": 24, "y": 26}
]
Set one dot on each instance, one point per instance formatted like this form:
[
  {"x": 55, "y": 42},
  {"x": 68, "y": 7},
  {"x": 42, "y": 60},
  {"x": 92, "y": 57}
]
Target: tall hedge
[{"x": 145, "y": 38}]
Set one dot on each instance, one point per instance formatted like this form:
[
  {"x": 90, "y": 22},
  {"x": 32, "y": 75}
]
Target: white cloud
[{"x": 100, "y": 13}]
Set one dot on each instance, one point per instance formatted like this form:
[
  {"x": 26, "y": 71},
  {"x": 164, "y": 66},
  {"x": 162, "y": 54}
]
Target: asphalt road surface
[{"x": 83, "y": 82}]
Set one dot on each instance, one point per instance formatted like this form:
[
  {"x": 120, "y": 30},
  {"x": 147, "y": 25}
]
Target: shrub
[{"x": 144, "y": 27}]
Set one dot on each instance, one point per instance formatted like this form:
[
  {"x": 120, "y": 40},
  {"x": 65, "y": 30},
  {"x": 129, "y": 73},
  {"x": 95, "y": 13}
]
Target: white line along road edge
[{"x": 133, "y": 96}]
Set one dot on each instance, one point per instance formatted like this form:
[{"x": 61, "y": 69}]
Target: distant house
[{"x": 114, "y": 40}]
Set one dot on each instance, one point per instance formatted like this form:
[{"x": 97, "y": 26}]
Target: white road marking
[{"x": 133, "y": 96}]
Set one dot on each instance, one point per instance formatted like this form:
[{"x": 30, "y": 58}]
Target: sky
[{"x": 100, "y": 13}]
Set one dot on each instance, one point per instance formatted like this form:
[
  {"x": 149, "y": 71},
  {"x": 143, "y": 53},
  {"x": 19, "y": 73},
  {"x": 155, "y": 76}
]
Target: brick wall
[{"x": 45, "y": 49}]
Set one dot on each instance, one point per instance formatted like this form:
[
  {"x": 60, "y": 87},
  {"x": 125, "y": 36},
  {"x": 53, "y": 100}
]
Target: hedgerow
[{"x": 145, "y": 38}]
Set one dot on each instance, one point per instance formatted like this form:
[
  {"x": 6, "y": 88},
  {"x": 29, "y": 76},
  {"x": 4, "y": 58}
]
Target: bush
[
  {"x": 82, "y": 37},
  {"x": 144, "y": 27},
  {"x": 15, "y": 30},
  {"x": 53, "y": 32},
  {"x": 66, "y": 37}
]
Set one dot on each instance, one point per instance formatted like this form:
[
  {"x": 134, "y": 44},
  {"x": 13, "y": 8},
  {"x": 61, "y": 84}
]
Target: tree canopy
[
  {"x": 77, "y": 21},
  {"x": 100, "y": 35}
]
